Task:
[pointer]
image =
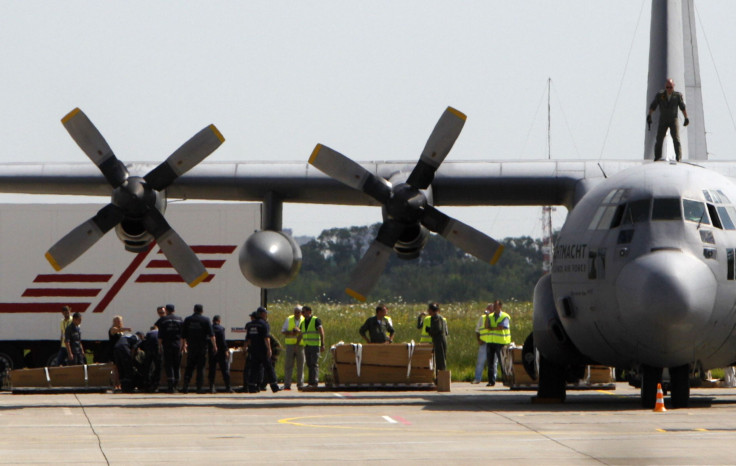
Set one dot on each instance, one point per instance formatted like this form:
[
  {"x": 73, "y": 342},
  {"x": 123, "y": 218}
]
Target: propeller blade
[
  {"x": 350, "y": 173},
  {"x": 463, "y": 236},
  {"x": 445, "y": 132},
  {"x": 81, "y": 238},
  {"x": 370, "y": 267},
  {"x": 179, "y": 254},
  {"x": 196, "y": 149},
  {"x": 90, "y": 140}
]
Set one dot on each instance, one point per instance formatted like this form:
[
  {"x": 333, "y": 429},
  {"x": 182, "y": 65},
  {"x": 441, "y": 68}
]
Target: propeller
[
  {"x": 134, "y": 197},
  {"x": 406, "y": 204}
]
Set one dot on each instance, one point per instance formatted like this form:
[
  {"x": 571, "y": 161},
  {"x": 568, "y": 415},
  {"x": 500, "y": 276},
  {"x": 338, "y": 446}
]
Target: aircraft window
[
  {"x": 607, "y": 217},
  {"x": 695, "y": 212},
  {"x": 724, "y": 198},
  {"x": 625, "y": 236},
  {"x": 637, "y": 211},
  {"x": 731, "y": 212},
  {"x": 609, "y": 196},
  {"x": 726, "y": 219},
  {"x": 596, "y": 218},
  {"x": 707, "y": 195},
  {"x": 616, "y": 220},
  {"x": 620, "y": 196},
  {"x": 706, "y": 236},
  {"x": 730, "y": 271},
  {"x": 714, "y": 216},
  {"x": 666, "y": 209}
]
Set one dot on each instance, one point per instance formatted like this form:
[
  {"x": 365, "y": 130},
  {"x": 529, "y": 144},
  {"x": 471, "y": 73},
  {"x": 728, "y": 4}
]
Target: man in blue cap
[
  {"x": 258, "y": 345},
  {"x": 197, "y": 330},
  {"x": 169, "y": 341}
]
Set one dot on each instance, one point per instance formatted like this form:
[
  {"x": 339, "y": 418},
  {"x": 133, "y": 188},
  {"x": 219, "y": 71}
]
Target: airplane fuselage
[{"x": 644, "y": 269}]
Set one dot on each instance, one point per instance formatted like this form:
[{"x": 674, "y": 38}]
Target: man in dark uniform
[
  {"x": 219, "y": 355},
  {"x": 151, "y": 360},
  {"x": 668, "y": 102},
  {"x": 197, "y": 330},
  {"x": 122, "y": 355},
  {"x": 378, "y": 327},
  {"x": 258, "y": 345},
  {"x": 74, "y": 347},
  {"x": 169, "y": 343}
]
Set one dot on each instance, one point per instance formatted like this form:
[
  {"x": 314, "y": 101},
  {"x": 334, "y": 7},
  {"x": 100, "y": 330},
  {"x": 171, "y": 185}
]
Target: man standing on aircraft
[
  {"x": 483, "y": 336},
  {"x": 294, "y": 351},
  {"x": 196, "y": 331},
  {"x": 169, "y": 342},
  {"x": 668, "y": 102},
  {"x": 313, "y": 336},
  {"x": 438, "y": 331},
  {"x": 378, "y": 327},
  {"x": 66, "y": 312},
  {"x": 499, "y": 325}
]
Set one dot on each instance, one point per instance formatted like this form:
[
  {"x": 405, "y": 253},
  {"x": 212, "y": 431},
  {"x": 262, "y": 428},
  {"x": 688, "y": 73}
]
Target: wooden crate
[
  {"x": 345, "y": 374},
  {"x": 376, "y": 354}
]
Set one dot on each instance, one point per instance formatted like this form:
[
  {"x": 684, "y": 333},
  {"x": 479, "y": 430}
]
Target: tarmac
[{"x": 472, "y": 424}]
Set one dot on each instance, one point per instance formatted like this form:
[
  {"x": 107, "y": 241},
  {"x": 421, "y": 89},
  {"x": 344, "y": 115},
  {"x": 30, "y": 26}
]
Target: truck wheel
[{"x": 10, "y": 358}]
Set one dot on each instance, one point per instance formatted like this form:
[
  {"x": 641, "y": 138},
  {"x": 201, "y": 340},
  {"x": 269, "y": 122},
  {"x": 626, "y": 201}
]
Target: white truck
[{"x": 108, "y": 281}]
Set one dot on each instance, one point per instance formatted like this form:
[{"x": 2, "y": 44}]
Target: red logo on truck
[{"x": 92, "y": 285}]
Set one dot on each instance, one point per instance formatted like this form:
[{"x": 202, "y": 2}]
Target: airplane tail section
[{"x": 673, "y": 53}]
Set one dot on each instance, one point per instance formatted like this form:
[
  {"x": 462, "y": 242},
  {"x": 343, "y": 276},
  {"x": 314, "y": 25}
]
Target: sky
[{"x": 369, "y": 79}]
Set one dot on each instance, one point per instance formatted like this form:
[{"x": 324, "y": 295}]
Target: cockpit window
[
  {"x": 666, "y": 209},
  {"x": 695, "y": 211},
  {"x": 636, "y": 211},
  {"x": 706, "y": 193},
  {"x": 724, "y": 198},
  {"x": 727, "y": 218}
]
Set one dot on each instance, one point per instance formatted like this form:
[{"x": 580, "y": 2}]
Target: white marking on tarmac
[{"x": 389, "y": 420}]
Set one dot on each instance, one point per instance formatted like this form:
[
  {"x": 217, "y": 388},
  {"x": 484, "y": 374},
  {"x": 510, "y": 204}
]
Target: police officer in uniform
[
  {"x": 668, "y": 102},
  {"x": 219, "y": 355},
  {"x": 258, "y": 345},
  {"x": 74, "y": 347},
  {"x": 151, "y": 369},
  {"x": 122, "y": 355},
  {"x": 196, "y": 331},
  {"x": 169, "y": 343}
]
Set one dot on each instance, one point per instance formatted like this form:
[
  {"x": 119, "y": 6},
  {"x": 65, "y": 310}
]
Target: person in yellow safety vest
[
  {"x": 294, "y": 351},
  {"x": 435, "y": 331},
  {"x": 313, "y": 336},
  {"x": 483, "y": 336},
  {"x": 378, "y": 328},
  {"x": 61, "y": 356},
  {"x": 499, "y": 325},
  {"x": 423, "y": 321}
]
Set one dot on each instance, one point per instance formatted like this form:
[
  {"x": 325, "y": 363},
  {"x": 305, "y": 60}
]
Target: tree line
[{"x": 441, "y": 273}]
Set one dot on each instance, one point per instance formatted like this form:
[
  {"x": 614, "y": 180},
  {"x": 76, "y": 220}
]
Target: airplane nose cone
[{"x": 667, "y": 295}]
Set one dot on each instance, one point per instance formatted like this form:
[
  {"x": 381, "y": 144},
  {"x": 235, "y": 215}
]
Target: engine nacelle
[
  {"x": 270, "y": 259},
  {"x": 133, "y": 235},
  {"x": 410, "y": 245},
  {"x": 550, "y": 337}
]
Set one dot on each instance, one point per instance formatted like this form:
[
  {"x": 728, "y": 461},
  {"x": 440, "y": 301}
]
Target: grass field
[{"x": 342, "y": 321}]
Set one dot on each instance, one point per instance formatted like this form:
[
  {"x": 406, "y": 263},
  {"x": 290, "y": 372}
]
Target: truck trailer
[{"x": 108, "y": 280}]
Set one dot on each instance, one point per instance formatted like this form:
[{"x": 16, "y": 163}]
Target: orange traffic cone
[{"x": 659, "y": 405}]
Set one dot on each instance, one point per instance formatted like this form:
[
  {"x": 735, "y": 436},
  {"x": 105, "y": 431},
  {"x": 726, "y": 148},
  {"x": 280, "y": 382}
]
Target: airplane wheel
[
  {"x": 680, "y": 386},
  {"x": 551, "y": 380},
  {"x": 650, "y": 377}
]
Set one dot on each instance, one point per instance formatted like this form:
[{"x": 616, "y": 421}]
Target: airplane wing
[{"x": 457, "y": 183}]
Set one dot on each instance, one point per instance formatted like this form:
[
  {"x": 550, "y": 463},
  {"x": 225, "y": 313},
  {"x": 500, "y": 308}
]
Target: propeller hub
[
  {"x": 134, "y": 196},
  {"x": 407, "y": 204}
]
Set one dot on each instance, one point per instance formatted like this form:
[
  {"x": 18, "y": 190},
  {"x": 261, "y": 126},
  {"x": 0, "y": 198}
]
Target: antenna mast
[{"x": 547, "y": 245}]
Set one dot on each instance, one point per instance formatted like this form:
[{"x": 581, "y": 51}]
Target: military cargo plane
[{"x": 644, "y": 274}]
